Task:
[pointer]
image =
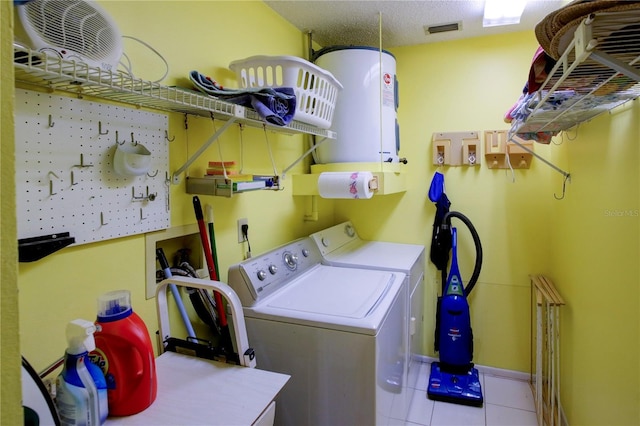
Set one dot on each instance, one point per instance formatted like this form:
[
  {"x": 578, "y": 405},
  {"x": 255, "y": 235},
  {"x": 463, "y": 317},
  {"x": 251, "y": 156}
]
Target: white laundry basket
[{"x": 316, "y": 89}]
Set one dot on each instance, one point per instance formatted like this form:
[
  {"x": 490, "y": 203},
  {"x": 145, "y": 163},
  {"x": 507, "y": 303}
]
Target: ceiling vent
[{"x": 443, "y": 28}]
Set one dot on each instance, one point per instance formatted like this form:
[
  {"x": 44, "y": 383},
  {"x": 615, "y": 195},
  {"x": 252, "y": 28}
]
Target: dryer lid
[
  {"x": 342, "y": 292},
  {"x": 376, "y": 255}
]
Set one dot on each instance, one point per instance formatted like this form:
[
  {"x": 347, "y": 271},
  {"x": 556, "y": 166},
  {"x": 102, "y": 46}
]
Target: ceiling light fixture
[{"x": 502, "y": 12}]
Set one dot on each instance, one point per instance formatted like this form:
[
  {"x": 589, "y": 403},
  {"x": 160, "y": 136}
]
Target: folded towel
[{"x": 276, "y": 105}]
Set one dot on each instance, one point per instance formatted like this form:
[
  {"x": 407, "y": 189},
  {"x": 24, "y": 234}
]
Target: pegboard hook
[
  {"x": 100, "y": 132},
  {"x": 166, "y": 136},
  {"x": 51, "y": 122},
  {"x": 135, "y": 197},
  {"x": 153, "y": 175},
  {"x": 151, "y": 196},
  {"x": 133, "y": 141},
  {"x": 51, "y": 182},
  {"x": 117, "y": 141},
  {"x": 82, "y": 165}
]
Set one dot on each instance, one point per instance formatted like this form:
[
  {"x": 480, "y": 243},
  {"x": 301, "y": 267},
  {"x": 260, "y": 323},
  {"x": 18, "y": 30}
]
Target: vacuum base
[{"x": 462, "y": 389}]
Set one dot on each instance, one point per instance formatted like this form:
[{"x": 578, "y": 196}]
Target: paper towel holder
[
  {"x": 348, "y": 185},
  {"x": 373, "y": 183}
]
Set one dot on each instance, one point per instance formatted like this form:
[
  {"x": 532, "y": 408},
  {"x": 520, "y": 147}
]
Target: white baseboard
[{"x": 492, "y": 371}]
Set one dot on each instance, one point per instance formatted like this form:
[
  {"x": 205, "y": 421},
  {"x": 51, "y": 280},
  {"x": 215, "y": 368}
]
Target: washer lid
[{"x": 343, "y": 292}]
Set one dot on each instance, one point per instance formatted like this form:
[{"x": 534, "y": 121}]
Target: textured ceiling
[{"x": 349, "y": 22}]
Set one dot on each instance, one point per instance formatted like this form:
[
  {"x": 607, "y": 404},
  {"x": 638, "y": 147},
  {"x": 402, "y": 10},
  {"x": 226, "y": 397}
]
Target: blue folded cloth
[{"x": 276, "y": 105}]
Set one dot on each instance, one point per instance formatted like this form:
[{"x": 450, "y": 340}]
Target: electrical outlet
[{"x": 243, "y": 221}]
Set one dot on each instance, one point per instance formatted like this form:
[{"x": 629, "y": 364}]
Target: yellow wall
[
  {"x": 587, "y": 243},
  {"x": 10, "y": 351},
  {"x": 467, "y": 86},
  {"x": 593, "y": 258}
]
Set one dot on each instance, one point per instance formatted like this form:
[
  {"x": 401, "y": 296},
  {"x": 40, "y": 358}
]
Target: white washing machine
[
  {"x": 339, "y": 333},
  {"x": 341, "y": 246}
]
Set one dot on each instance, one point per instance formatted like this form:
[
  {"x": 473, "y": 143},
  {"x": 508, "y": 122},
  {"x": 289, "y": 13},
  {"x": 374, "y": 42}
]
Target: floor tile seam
[
  {"x": 433, "y": 409},
  {"x": 509, "y": 406}
]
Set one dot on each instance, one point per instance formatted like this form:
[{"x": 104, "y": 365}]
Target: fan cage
[{"x": 77, "y": 26}]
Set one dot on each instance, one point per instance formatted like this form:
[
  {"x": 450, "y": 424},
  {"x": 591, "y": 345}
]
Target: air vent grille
[{"x": 442, "y": 28}]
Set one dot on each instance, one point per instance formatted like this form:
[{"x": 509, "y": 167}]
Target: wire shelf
[
  {"x": 599, "y": 70},
  {"x": 53, "y": 73}
]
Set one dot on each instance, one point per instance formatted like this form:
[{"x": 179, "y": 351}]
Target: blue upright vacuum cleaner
[{"x": 453, "y": 378}]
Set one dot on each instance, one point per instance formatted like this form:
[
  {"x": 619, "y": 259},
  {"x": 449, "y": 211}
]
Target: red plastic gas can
[{"x": 125, "y": 354}]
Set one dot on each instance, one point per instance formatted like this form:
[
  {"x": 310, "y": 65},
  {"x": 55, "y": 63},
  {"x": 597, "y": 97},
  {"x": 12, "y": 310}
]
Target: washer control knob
[
  {"x": 305, "y": 252},
  {"x": 326, "y": 241},
  {"x": 261, "y": 275},
  {"x": 273, "y": 269},
  {"x": 291, "y": 260}
]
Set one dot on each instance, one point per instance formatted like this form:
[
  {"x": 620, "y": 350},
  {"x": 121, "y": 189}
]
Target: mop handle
[
  {"x": 212, "y": 236},
  {"x": 162, "y": 259},
  {"x": 207, "y": 254}
]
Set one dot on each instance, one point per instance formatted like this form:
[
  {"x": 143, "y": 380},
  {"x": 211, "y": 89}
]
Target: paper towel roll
[{"x": 345, "y": 185}]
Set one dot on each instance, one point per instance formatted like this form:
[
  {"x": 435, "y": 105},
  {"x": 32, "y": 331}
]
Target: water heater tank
[{"x": 365, "y": 116}]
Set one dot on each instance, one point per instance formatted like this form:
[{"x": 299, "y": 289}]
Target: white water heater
[{"x": 365, "y": 116}]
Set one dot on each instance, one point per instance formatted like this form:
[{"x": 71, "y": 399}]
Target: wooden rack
[{"x": 545, "y": 377}]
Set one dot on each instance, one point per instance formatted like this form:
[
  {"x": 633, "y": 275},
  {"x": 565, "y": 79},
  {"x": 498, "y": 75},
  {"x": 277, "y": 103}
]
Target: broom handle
[{"x": 207, "y": 254}]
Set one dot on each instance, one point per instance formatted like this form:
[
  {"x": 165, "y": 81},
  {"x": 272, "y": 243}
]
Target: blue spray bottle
[{"x": 81, "y": 386}]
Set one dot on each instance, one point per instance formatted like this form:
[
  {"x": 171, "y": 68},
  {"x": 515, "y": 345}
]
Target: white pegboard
[{"x": 65, "y": 181}]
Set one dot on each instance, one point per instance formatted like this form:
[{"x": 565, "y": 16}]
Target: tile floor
[{"x": 507, "y": 402}]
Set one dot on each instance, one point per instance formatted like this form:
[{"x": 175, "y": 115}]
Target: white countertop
[{"x": 196, "y": 391}]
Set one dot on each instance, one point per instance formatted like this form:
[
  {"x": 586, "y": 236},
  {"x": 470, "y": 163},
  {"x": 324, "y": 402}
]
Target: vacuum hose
[{"x": 446, "y": 227}]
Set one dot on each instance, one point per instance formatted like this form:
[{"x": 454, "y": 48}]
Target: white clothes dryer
[
  {"x": 341, "y": 246},
  {"x": 338, "y": 332}
]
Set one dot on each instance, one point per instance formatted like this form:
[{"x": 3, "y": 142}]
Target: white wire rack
[
  {"x": 599, "y": 70},
  {"x": 53, "y": 73}
]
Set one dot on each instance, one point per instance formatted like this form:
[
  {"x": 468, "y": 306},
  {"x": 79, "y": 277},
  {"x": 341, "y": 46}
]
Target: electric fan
[{"x": 76, "y": 30}]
